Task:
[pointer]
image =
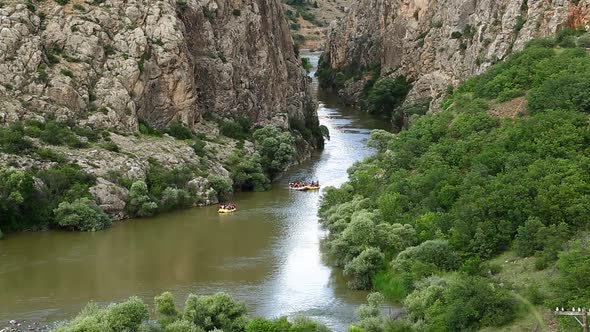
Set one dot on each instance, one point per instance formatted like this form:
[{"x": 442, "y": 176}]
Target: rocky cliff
[
  {"x": 106, "y": 64},
  {"x": 103, "y": 68},
  {"x": 437, "y": 43}
]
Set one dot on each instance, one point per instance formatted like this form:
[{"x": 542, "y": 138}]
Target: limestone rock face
[
  {"x": 109, "y": 64},
  {"x": 437, "y": 43},
  {"x": 110, "y": 198}
]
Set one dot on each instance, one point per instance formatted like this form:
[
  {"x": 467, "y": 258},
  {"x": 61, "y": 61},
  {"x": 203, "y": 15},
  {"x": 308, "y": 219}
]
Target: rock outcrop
[
  {"x": 108, "y": 64},
  {"x": 438, "y": 43}
]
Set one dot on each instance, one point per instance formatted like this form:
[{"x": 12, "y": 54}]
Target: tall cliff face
[
  {"x": 440, "y": 42},
  {"x": 107, "y": 64}
]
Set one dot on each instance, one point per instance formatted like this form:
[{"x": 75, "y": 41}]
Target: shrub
[
  {"x": 79, "y": 7},
  {"x": 221, "y": 185},
  {"x": 166, "y": 310},
  {"x": 17, "y": 199},
  {"x": 179, "y": 130},
  {"x": 216, "y": 311},
  {"x": 160, "y": 178},
  {"x": 13, "y": 140},
  {"x": 363, "y": 268},
  {"x": 56, "y": 133},
  {"x": 173, "y": 198},
  {"x": 572, "y": 286},
  {"x": 247, "y": 173},
  {"x": 306, "y": 64},
  {"x": 140, "y": 203},
  {"x": 239, "y": 129},
  {"x": 304, "y": 324},
  {"x": 126, "y": 316},
  {"x": 82, "y": 214},
  {"x": 387, "y": 94},
  {"x": 199, "y": 146},
  {"x": 183, "y": 326},
  {"x": 67, "y": 72},
  {"x": 266, "y": 325},
  {"x": 584, "y": 40},
  {"x": 147, "y": 129},
  {"x": 236, "y": 12},
  {"x": 62, "y": 2},
  {"x": 110, "y": 146},
  {"x": 51, "y": 155},
  {"x": 566, "y": 92},
  {"x": 275, "y": 148},
  {"x": 456, "y": 35}
]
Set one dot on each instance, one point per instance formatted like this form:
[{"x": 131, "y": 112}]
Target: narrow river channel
[{"x": 267, "y": 255}]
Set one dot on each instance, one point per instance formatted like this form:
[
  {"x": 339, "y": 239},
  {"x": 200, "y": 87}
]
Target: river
[{"x": 267, "y": 254}]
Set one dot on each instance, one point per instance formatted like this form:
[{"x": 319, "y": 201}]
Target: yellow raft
[
  {"x": 226, "y": 210},
  {"x": 308, "y": 188}
]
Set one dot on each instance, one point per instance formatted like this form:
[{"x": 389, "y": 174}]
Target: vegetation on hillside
[{"x": 421, "y": 220}]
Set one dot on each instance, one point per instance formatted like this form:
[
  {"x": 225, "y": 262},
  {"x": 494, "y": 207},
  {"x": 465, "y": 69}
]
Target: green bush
[
  {"x": 216, "y": 311},
  {"x": 276, "y": 149},
  {"x": 183, "y": 326},
  {"x": 140, "y": 203},
  {"x": 13, "y": 140},
  {"x": 159, "y": 178},
  {"x": 166, "y": 310},
  {"x": 363, "y": 268},
  {"x": 82, "y": 214},
  {"x": 266, "y": 325},
  {"x": 567, "y": 92},
  {"x": 173, "y": 198},
  {"x": 246, "y": 171},
  {"x": 56, "y": 133},
  {"x": 572, "y": 286},
  {"x": 110, "y": 146},
  {"x": 147, "y": 129},
  {"x": 221, "y": 185},
  {"x": 178, "y": 130},
  {"x": 124, "y": 316},
  {"x": 239, "y": 129},
  {"x": 199, "y": 147},
  {"x": 462, "y": 303},
  {"x": 387, "y": 94}
]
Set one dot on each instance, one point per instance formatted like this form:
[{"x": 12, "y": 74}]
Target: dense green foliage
[
  {"x": 238, "y": 129},
  {"x": 82, "y": 214},
  {"x": 276, "y": 149},
  {"x": 218, "y": 312},
  {"x": 253, "y": 170},
  {"x": 387, "y": 94},
  {"x": 462, "y": 186},
  {"x": 380, "y": 95},
  {"x": 27, "y": 204}
]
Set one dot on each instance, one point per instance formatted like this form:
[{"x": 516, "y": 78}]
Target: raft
[
  {"x": 307, "y": 188},
  {"x": 226, "y": 210}
]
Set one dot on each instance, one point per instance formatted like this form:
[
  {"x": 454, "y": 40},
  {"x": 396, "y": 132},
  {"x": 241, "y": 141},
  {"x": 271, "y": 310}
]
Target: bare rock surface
[{"x": 438, "y": 43}]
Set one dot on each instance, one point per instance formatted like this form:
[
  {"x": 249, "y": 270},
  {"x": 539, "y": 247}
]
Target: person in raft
[{"x": 228, "y": 206}]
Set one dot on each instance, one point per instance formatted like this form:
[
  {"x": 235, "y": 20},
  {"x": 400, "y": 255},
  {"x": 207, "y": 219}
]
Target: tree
[
  {"x": 276, "y": 149},
  {"x": 363, "y": 268},
  {"x": 166, "y": 309},
  {"x": 216, "y": 311},
  {"x": 82, "y": 214},
  {"x": 140, "y": 203},
  {"x": 387, "y": 94}
]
